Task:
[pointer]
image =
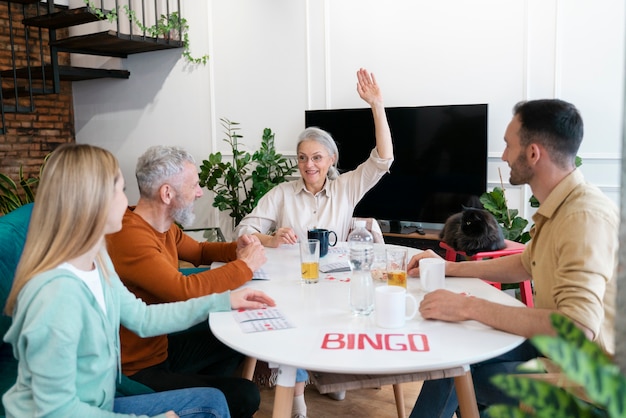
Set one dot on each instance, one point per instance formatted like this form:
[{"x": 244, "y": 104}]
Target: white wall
[{"x": 273, "y": 59}]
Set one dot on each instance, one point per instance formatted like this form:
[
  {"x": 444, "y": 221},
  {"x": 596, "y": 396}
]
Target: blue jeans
[
  {"x": 301, "y": 375},
  {"x": 437, "y": 399},
  {"x": 189, "y": 403},
  {"x": 196, "y": 358}
]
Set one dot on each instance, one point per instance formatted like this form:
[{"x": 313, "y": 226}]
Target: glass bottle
[{"x": 361, "y": 245}]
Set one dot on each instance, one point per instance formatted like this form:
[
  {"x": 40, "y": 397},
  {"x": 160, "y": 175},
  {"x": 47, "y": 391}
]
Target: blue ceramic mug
[{"x": 323, "y": 235}]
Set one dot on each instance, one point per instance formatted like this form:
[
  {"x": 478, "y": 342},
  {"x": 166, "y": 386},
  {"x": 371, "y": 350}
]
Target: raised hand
[{"x": 368, "y": 88}]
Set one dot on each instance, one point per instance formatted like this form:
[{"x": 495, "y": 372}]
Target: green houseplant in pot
[
  {"x": 12, "y": 196},
  {"x": 238, "y": 184},
  {"x": 591, "y": 385},
  {"x": 513, "y": 226}
]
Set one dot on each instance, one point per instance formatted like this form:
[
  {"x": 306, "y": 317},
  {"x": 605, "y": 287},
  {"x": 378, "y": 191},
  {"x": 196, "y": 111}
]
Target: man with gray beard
[{"x": 146, "y": 253}]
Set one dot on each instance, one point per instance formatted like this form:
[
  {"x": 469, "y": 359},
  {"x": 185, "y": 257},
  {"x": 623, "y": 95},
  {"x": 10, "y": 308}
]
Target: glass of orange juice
[
  {"x": 396, "y": 266},
  {"x": 310, "y": 260}
]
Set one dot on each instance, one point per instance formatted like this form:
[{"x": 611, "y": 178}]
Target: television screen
[{"x": 440, "y": 159}]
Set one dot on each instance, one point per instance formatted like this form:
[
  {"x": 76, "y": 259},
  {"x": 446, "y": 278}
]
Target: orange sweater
[{"x": 147, "y": 262}]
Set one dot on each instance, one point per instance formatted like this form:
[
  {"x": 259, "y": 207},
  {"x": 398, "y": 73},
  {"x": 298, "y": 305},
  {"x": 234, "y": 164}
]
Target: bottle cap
[{"x": 359, "y": 224}]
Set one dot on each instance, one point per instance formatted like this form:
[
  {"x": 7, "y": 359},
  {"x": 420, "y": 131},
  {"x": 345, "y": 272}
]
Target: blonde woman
[{"x": 67, "y": 302}]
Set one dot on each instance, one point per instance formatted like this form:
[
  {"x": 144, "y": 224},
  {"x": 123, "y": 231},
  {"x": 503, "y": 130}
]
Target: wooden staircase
[{"x": 30, "y": 74}]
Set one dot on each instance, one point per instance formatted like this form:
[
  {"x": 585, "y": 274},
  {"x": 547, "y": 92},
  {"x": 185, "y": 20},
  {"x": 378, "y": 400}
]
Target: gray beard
[{"x": 184, "y": 216}]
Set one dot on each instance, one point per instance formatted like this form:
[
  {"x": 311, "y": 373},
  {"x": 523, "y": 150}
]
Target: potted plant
[
  {"x": 11, "y": 197},
  {"x": 240, "y": 183},
  {"x": 588, "y": 384},
  {"x": 513, "y": 226}
]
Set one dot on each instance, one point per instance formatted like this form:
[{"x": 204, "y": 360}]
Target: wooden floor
[{"x": 378, "y": 403}]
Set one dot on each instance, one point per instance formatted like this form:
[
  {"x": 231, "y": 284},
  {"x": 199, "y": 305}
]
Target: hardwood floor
[{"x": 378, "y": 403}]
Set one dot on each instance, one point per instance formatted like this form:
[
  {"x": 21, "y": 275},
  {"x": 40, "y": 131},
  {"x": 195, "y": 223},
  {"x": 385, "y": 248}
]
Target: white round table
[{"x": 326, "y": 337}]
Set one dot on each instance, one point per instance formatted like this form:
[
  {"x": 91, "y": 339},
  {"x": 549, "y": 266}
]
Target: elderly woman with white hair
[{"x": 322, "y": 198}]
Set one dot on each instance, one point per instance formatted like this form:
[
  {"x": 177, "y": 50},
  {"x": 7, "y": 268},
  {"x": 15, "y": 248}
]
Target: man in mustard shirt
[{"x": 571, "y": 258}]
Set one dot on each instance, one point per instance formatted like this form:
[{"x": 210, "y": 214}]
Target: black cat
[{"x": 472, "y": 231}]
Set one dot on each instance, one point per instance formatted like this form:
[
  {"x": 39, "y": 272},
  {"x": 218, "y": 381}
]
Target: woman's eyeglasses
[{"x": 302, "y": 159}]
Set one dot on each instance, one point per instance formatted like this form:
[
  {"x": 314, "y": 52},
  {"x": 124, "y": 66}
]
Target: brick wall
[{"x": 29, "y": 137}]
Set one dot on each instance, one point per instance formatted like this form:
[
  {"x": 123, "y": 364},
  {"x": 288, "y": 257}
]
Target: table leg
[
  {"x": 399, "y": 396},
  {"x": 283, "y": 399},
  {"x": 466, "y": 395}
]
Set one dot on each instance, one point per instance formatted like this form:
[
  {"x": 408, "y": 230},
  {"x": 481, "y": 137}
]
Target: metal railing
[{"x": 29, "y": 73}]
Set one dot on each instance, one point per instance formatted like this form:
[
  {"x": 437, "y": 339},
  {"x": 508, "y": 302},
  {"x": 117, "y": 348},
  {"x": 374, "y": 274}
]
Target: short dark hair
[{"x": 553, "y": 123}]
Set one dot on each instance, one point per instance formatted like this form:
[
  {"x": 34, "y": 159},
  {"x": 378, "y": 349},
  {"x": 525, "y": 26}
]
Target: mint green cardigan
[{"x": 69, "y": 351}]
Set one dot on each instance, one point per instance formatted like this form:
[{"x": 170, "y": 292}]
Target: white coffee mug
[
  {"x": 432, "y": 273},
  {"x": 390, "y": 306}
]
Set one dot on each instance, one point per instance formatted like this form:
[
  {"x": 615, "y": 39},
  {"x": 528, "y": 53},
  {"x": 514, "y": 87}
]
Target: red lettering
[
  {"x": 375, "y": 344},
  {"x": 364, "y": 341},
  {"x": 333, "y": 342},
  {"x": 391, "y": 346},
  {"x": 418, "y": 339}
]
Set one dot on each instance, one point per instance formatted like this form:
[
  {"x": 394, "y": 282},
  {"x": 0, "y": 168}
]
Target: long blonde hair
[{"x": 70, "y": 211}]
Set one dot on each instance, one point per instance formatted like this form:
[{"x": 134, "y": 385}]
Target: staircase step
[
  {"x": 113, "y": 44},
  {"x": 18, "y": 109},
  {"x": 24, "y": 91},
  {"x": 23, "y": 1},
  {"x": 63, "y": 19},
  {"x": 67, "y": 73}
]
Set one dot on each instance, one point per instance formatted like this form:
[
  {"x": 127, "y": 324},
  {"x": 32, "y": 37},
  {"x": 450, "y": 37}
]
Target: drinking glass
[
  {"x": 396, "y": 266},
  {"x": 310, "y": 260},
  {"x": 379, "y": 264}
]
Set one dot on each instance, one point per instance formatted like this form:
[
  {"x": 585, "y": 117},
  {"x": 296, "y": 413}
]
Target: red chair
[{"x": 512, "y": 247}]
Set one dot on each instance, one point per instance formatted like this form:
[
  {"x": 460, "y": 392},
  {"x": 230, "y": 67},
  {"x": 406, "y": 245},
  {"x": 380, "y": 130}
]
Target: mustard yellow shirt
[{"x": 572, "y": 256}]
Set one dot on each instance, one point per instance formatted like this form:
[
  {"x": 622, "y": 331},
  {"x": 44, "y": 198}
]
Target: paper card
[
  {"x": 336, "y": 267},
  {"x": 266, "y": 319}
]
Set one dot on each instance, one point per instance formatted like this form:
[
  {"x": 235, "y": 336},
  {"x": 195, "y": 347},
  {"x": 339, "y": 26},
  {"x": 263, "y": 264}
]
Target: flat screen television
[{"x": 440, "y": 160}]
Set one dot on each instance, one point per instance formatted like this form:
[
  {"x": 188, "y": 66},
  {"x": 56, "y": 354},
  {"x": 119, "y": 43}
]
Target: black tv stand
[
  {"x": 404, "y": 228},
  {"x": 429, "y": 240}
]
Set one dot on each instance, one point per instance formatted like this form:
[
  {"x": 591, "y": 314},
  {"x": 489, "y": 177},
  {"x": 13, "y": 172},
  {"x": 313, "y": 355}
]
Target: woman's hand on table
[
  {"x": 250, "y": 299},
  {"x": 414, "y": 264},
  {"x": 283, "y": 235},
  {"x": 445, "y": 306}
]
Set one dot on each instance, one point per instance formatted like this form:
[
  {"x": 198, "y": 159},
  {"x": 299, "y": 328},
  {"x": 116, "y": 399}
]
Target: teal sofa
[{"x": 13, "y": 228}]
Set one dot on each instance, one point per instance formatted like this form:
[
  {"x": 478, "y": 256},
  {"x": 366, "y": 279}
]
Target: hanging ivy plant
[{"x": 165, "y": 27}]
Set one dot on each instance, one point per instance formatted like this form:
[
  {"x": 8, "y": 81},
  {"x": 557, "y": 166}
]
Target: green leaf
[
  {"x": 583, "y": 362},
  {"x": 544, "y": 398},
  {"x": 505, "y": 411},
  {"x": 10, "y": 196},
  {"x": 578, "y": 161},
  {"x": 242, "y": 182}
]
